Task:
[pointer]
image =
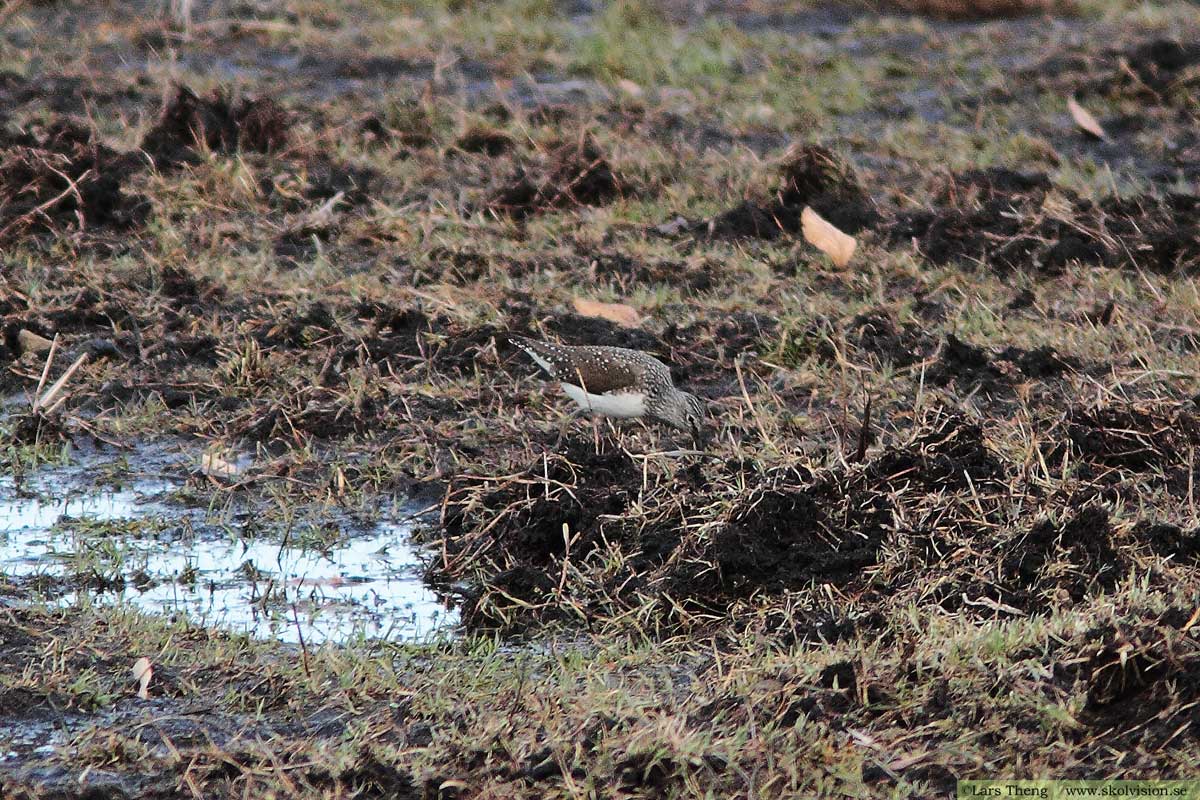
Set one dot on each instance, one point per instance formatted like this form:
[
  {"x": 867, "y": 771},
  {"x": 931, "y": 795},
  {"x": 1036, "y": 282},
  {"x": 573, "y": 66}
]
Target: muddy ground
[{"x": 946, "y": 526}]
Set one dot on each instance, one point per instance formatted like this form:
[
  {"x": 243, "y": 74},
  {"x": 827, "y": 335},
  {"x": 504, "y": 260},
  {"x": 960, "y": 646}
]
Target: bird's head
[{"x": 687, "y": 413}]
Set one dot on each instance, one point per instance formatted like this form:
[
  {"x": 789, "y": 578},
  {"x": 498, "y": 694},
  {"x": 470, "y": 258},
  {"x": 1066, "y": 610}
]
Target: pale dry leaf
[
  {"x": 630, "y": 88},
  {"x": 619, "y": 313},
  {"x": 332, "y": 582},
  {"x": 1084, "y": 119},
  {"x": 142, "y": 673},
  {"x": 828, "y": 239},
  {"x": 214, "y": 466},
  {"x": 30, "y": 342},
  {"x": 673, "y": 226}
]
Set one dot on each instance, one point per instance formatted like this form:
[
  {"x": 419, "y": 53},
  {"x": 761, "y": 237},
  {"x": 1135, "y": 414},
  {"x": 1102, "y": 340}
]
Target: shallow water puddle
[{"x": 132, "y": 546}]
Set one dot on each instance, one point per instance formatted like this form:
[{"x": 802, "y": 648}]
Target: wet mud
[{"x": 326, "y": 582}]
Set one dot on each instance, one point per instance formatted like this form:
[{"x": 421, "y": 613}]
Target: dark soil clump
[
  {"x": 1133, "y": 437},
  {"x": 786, "y": 532},
  {"x": 577, "y": 329},
  {"x": 533, "y": 512},
  {"x": 794, "y": 527},
  {"x": 564, "y": 506},
  {"x": 791, "y": 526},
  {"x": 488, "y": 141},
  {"x": 809, "y": 176},
  {"x": 1077, "y": 556},
  {"x": 1133, "y": 672},
  {"x": 1002, "y": 219},
  {"x": 1170, "y": 541},
  {"x": 63, "y": 178},
  {"x": 878, "y": 333},
  {"x": 969, "y": 366},
  {"x": 972, "y": 218},
  {"x": 218, "y": 122},
  {"x": 571, "y": 175},
  {"x": 1160, "y": 65}
]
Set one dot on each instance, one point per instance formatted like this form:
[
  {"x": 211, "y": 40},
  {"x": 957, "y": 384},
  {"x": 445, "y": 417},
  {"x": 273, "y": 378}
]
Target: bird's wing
[{"x": 597, "y": 370}]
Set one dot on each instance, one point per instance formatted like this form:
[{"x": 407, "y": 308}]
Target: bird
[{"x": 618, "y": 382}]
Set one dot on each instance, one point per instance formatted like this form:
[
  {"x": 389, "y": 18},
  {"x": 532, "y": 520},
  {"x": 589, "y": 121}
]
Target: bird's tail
[{"x": 534, "y": 349}]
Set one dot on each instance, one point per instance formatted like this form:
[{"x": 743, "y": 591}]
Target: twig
[
  {"x": 44, "y": 400},
  {"x": 864, "y": 433},
  {"x": 303, "y": 646},
  {"x": 45, "y": 372},
  {"x": 737, "y": 366}
]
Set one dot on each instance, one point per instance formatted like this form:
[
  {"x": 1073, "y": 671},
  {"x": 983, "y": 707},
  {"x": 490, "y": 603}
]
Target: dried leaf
[
  {"x": 30, "y": 342},
  {"x": 1084, "y": 119},
  {"x": 214, "y": 466},
  {"x": 619, "y": 313},
  {"x": 332, "y": 582},
  {"x": 673, "y": 226},
  {"x": 825, "y": 237},
  {"x": 142, "y": 673},
  {"x": 630, "y": 88}
]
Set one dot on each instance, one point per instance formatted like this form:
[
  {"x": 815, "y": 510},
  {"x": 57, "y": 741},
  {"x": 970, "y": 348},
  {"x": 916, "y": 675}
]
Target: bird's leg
[
  {"x": 562, "y": 431},
  {"x": 616, "y": 431},
  {"x": 596, "y": 432}
]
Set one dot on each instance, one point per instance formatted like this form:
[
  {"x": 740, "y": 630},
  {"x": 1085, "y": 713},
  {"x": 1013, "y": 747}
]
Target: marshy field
[{"x": 283, "y": 514}]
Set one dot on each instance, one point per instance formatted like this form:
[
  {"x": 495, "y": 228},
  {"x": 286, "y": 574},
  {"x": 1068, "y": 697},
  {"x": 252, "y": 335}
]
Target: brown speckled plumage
[{"x": 619, "y": 371}]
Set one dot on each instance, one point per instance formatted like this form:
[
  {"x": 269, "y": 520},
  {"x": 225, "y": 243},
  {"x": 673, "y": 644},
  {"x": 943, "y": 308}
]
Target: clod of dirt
[
  {"x": 186, "y": 291},
  {"x": 1127, "y": 660},
  {"x": 576, "y": 490},
  {"x": 369, "y": 778},
  {"x": 1002, "y": 219},
  {"x": 572, "y": 175},
  {"x": 1170, "y": 541},
  {"x": 786, "y": 532},
  {"x": 794, "y": 527},
  {"x": 298, "y": 187},
  {"x": 532, "y": 514},
  {"x": 218, "y": 122},
  {"x": 878, "y": 333},
  {"x": 809, "y": 176},
  {"x": 1137, "y": 674},
  {"x": 1076, "y": 556},
  {"x": 973, "y": 218},
  {"x": 1159, "y": 67},
  {"x": 967, "y": 366},
  {"x": 63, "y": 178},
  {"x": 302, "y": 329},
  {"x": 578, "y": 329},
  {"x": 949, "y": 452},
  {"x": 1040, "y": 362},
  {"x": 702, "y": 353},
  {"x": 409, "y": 339},
  {"x": 1133, "y": 437},
  {"x": 488, "y": 141}
]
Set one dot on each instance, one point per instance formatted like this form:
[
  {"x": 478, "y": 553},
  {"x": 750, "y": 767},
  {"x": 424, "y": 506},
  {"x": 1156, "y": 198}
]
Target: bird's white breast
[{"x": 624, "y": 405}]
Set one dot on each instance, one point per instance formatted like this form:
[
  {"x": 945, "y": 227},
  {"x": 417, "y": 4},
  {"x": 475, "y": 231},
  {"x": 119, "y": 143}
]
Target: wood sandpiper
[{"x": 618, "y": 382}]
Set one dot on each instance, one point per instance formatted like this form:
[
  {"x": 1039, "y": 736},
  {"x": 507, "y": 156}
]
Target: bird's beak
[{"x": 699, "y": 437}]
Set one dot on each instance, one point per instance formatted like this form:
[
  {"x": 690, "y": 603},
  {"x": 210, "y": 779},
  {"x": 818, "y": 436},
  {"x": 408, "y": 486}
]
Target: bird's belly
[{"x": 624, "y": 405}]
